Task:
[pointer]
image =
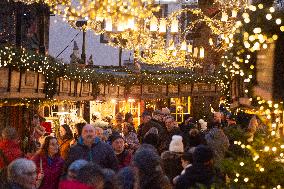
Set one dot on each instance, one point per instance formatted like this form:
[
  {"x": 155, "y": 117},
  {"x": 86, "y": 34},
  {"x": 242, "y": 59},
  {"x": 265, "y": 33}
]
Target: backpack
[{"x": 3, "y": 171}]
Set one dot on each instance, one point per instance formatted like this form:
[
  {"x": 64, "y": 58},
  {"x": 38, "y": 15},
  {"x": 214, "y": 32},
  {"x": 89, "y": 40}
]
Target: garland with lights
[
  {"x": 256, "y": 164},
  {"x": 51, "y": 68}
]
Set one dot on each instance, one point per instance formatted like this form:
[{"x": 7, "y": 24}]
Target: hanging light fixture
[{"x": 154, "y": 24}]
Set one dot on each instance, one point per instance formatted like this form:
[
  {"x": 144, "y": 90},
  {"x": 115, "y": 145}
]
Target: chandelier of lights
[
  {"x": 232, "y": 4},
  {"x": 106, "y": 15},
  {"x": 163, "y": 41},
  {"x": 47, "y": 2}
]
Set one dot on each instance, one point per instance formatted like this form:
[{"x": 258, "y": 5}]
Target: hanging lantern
[
  {"x": 201, "y": 52},
  {"x": 211, "y": 42},
  {"x": 131, "y": 23},
  {"x": 224, "y": 17},
  {"x": 189, "y": 48},
  {"x": 154, "y": 24},
  {"x": 174, "y": 26},
  {"x": 183, "y": 46},
  {"x": 234, "y": 13},
  {"x": 195, "y": 52},
  {"x": 163, "y": 26},
  {"x": 108, "y": 26},
  {"x": 121, "y": 26}
]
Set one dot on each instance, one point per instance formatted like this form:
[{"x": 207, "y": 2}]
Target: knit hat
[
  {"x": 202, "y": 154},
  {"x": 146, "y": 160},
  {"x": 176, "y": 144},
  {"x": 166, "y": 111},
  {"x": 203, "y": 124}
]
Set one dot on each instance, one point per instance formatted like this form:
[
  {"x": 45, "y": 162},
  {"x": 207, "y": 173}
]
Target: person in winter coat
[
  {"x": 144, "y": 126},
  {"x": 123, "y": 156},
  {"x": 89, "y": 176},
  {"x": 128, "y": 119},
  {"x": 152, "y": 137},
  {"x": 148, "y": 163},
  {"x": 49, "y": 164},
  {"x": 21, "y": 174},
  {"x": 9, "y": 147},
  {"x": 218, "y": 142},
  {"x": 195, "y": 138},
  {"x": 186, "y": 162},
  {"x": 171, "y": 159},
  {"x": 127, "y": 178},
  {"x": 132, "y": 142},
  {"x": 90, "y": 148},
  {"x": 201, "y": 173},
  {"x": 74, "y": 168},
  {"x": 64, "y": 140},
  {"x": 172, "y": 129}
]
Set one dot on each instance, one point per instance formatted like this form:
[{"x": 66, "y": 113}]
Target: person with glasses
[
  {"x": 21, "y": 174},
  {"x": 49, "y": 164}
]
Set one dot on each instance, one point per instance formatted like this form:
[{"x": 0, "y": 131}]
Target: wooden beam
[{"x": 9, "y": 79}]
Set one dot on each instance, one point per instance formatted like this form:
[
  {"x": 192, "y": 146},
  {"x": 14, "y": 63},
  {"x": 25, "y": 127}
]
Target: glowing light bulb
[
  {"x": 183, "y": 46},
  {"x": 195, "y": 52},
  {"x": 257, "y": 30},
  {"x": 234, "y": 13},
  {"x": 266, "y": 148},
  {"x": 189, "y": 48},
  {"x": 108, "y": 24},
  {"x": 174, "y": 26},
  {"x": 268, "y": 16},
  {"x": 163, "y": 26},
  {"x": 202, "y": 53},
  {"x": 278, "y": 21},
  {"x": 224, "y": 17},
  {"x": 154, "y": 24}
]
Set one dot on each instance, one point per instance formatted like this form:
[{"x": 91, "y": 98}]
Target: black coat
[
  {"x": 171, "y": 164},
  {"x": 167, "y": 138},
  {"x": 100, "y": 153},
  {"x": 195, "y": 175}
]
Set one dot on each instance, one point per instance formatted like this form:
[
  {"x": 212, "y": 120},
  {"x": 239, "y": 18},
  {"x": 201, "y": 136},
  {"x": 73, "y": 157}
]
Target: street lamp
[{"x": 81, "y": 24}]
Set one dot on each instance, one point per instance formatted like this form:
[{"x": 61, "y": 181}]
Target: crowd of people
[{"x": 159, "y": 154}]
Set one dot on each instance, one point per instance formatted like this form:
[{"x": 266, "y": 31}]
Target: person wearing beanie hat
[
  {"x": 122, "y": 155},
  {"x": 166, "y": 111},
  {"x": 202, "y": 154},
  {"x": 176, "y": 144},
  {"x": 203, "y": 125},
  {"x": 171, "y": 159},
  {"x": 201, "y": 172},
  {"x": 148, "y": 163}
]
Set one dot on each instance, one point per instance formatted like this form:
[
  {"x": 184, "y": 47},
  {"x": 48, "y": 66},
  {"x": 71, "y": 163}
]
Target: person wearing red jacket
[
  {"x": 123, "y": 156},
  {"x": 68, "y": 184},
  {"x": 9, "y": 147},
  {"x": 49, "y": 164}
]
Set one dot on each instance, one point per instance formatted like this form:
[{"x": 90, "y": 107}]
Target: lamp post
[{"x": 81, "y": 24}]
